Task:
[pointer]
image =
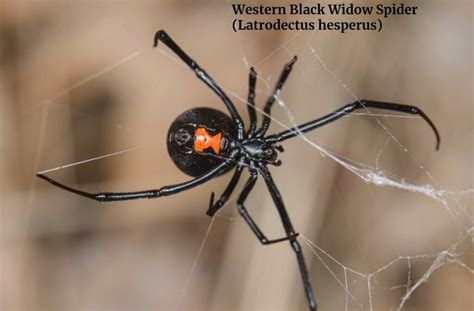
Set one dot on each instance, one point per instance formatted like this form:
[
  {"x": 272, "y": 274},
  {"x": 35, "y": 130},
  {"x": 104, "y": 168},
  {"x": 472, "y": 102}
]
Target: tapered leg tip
[{"x": 160, "y": 34}]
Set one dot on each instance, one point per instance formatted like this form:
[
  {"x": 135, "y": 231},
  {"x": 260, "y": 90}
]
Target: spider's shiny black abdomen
[{"x": 182, "y": 135}]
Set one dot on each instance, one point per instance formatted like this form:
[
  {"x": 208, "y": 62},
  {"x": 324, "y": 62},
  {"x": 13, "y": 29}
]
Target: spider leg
[
  {"x": 214, "y": 207},
  {"x": 251, "y": 102},
  {"x": 281, "y": 81},
  {"x": 347, "y": 109},
  {"x": 277, "y": 199},
  {"x": 146, "y": 194},
  {"x": 162, "y": 36},
  {"x": 248, "y": 219}
]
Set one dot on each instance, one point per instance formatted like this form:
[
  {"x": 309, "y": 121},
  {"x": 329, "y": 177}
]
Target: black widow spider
[{"x": 205, "y": 143}]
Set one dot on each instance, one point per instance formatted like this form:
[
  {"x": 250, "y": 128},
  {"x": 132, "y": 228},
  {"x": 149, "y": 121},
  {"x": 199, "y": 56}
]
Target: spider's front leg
[
  {"x": 347, "y": 110},
  {"x": 288, "y": 226}
]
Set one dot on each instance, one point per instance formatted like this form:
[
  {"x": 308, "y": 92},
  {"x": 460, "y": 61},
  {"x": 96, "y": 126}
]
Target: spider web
[
  {"x": 387, "y": 281},
  {"x": 455, "y": 252},
  {"x": 460, "y": 214}
]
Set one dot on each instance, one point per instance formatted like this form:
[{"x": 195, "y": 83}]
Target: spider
[{"x": 205, "y": 143}]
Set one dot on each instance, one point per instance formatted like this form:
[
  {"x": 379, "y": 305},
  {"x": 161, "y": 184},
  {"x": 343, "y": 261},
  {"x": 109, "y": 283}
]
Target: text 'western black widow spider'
[{"x": 205, "y": 143}]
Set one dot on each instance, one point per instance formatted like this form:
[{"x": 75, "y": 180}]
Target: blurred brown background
[{"x": 79, "y": 79}]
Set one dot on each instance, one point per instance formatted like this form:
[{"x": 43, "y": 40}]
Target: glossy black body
[
  {"x": 249, "y": 149},
  {"x": 181, "y": 134}
]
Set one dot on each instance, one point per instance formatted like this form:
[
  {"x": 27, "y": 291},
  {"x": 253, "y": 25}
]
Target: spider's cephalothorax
[
  {"x": 199, "y": 139},
  {"x": 205, "y": 143},
  {"x": 257, "y": 150}
]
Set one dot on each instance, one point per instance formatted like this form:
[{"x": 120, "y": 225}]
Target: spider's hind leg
[{"x": 162, "y": 36}]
